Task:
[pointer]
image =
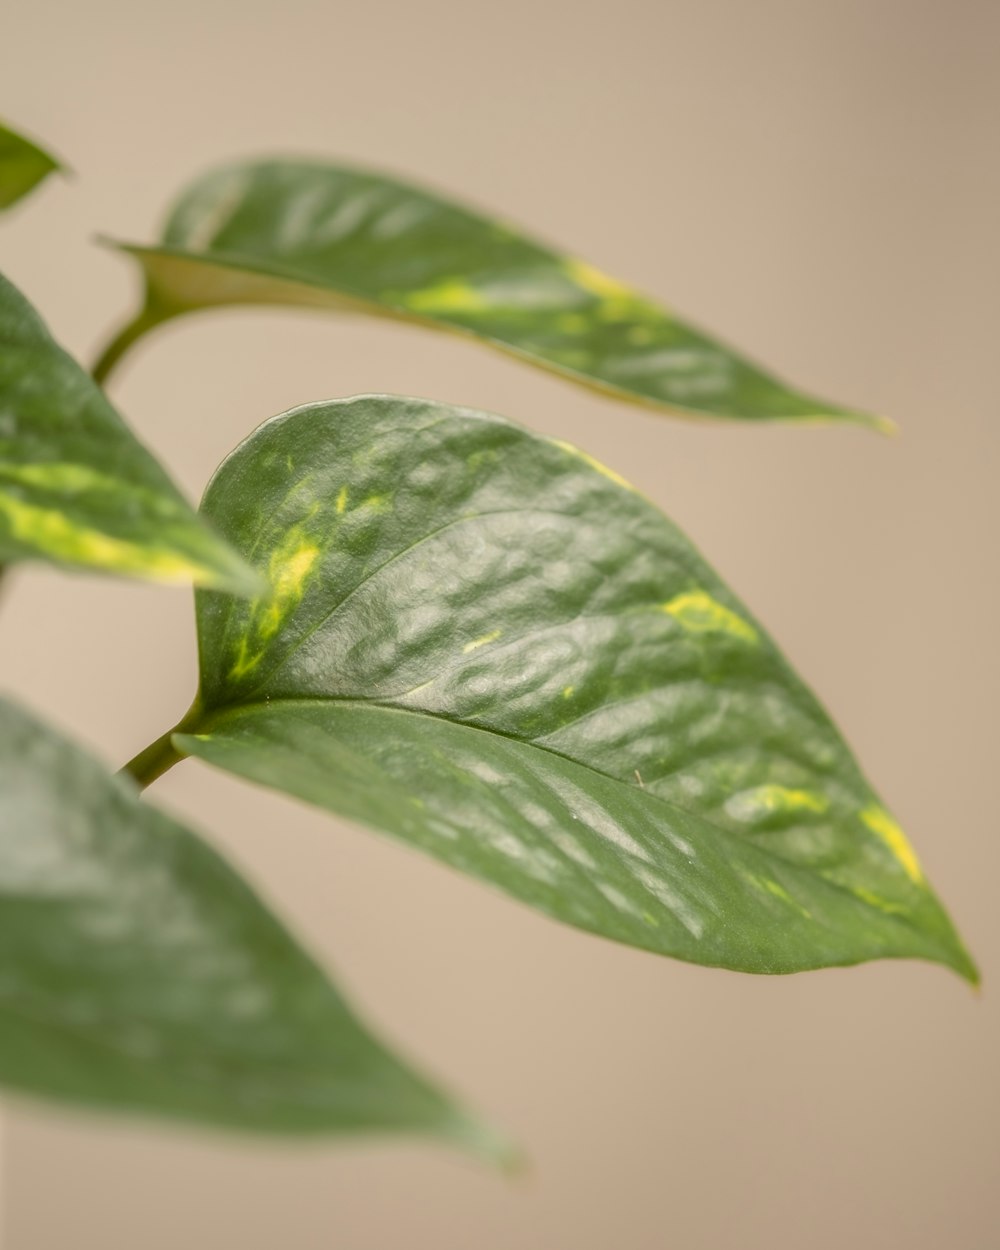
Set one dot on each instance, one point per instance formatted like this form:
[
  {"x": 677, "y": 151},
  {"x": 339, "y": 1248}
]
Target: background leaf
[
  {"x": 140, "y": 973},
  {"x": 487, "y": 644},
  {"x": 76, "y": 487},
  {"x": 23, "y": 165},
  {"x": 292, "y": 232}
]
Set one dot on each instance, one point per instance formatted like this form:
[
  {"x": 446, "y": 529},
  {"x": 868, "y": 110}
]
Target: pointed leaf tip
[{"x": 23, "y": 165}]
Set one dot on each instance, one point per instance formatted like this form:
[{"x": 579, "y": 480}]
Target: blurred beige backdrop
[{"x": 817, "y": 181}]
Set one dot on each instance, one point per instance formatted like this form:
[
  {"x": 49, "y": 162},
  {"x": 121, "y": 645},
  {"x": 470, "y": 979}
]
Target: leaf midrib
[
  {"x": 210, "y": 719},
  {"x": 385, "y": 308}
]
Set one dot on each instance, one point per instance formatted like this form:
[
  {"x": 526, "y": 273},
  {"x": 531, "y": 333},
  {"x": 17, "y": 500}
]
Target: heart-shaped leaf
[
  {"x": 76, "y": 487},
  {"x": 139, "y": 973},
  {"x": 317, "y": 235},
  {"x": 485, "y": 643},
  {"x": 23, "y": 165}
]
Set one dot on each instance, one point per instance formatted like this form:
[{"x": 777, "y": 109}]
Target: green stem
[
  {"x": 122, "y": 341},
  {"x": 160, "y": 756}
]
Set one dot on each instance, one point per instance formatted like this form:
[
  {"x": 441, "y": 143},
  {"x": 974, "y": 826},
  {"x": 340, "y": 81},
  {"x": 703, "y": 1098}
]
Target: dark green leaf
[
  {"x": 288, "y": 232},
  {"x": 23, "y": 165},
  {"x": 485, "y": 643},
  {"x": 76, "y": 487},
  {"x": 139, "y": 973}
]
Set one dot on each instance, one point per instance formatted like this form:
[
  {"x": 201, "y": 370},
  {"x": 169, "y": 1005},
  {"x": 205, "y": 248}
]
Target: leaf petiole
[{"x": 161, "y": 755}]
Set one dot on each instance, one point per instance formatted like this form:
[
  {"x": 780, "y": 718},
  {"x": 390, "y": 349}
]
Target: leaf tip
[
  {"x": 884, "y": 425},
  {"x": 236, "y": 577},
  {"x": 489, "y": 1143}
]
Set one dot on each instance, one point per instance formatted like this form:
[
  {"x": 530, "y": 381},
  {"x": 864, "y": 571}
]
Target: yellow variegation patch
[
  {"x": 66, "y": 541},
  {"x": 878, "y": 820},
  {"x": 767, "y": 800},
  {"x": 697, "y": 612},
  {"x": 455, "y": 295},
  {"x": 484, "y": 641}
]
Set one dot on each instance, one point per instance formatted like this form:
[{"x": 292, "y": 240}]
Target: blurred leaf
[
  {"x": 76, "y": 487},
  {"x": 23, "y": 165},
  {"x": 139, "y": 973},
  {"x": 290, "y": 232},
  {"x": 486, "y": 644}
]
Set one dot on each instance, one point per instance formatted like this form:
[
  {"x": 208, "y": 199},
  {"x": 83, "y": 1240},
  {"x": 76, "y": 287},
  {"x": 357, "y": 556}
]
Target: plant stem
[
  {"x": 160, "y": 756},
  {"x": 120, "y": 344},
  {"x": 154, "y": 761}
]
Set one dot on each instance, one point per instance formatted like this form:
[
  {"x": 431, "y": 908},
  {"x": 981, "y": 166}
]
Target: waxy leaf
[
  {"x": 76, "y": 487},
  {"x": 290, "y": 232},
  {"x": 23, "y": 165},
  {"x": 139, "y": 973},
  {"x": 486, "y": 644}
]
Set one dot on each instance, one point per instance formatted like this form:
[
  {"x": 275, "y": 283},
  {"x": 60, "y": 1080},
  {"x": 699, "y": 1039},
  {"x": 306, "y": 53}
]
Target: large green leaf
[
  {"x": 139, "y": 973},
  {"x": 23, "y": 165},
  {"x": 289, "y": 232},
  {"x": 486, "y": 644},
  {"x": 76, "y": 487}
]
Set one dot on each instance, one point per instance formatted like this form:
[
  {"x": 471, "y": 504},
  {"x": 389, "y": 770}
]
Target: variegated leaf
[
  {"x": 484, "y": 643},
  {"x": 326, "y": 236},
  {"x": 76, "y": 487}
]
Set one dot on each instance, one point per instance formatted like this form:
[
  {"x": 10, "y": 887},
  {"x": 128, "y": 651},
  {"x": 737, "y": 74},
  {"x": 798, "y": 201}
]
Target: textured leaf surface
[
  {"x": 487, "y": 644},
  {"x": 140, "y": 973},
  {"x": 23, "y": 165},
  {"x": 76, "y": 487},
  {"x": 289, "y": 232}
]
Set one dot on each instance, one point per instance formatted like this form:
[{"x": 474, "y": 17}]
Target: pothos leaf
[
  {"x": 139, "y": 973},
  {"x": 76, "y": 487},
  {"x": 486, "y": 644},
  {"x": 326, "y": 236},
  {"x": 23, "y": 165}
]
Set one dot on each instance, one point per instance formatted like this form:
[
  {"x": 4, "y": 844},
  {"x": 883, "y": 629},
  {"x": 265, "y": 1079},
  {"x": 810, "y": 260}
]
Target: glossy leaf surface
[
  {"x": 139, "y": 973},
  {"x": 76, "y": 487},
  {"x": 23, "y": 165},
  {"x": 290, "y": 232},
  {"x": 486, "y": 644}
]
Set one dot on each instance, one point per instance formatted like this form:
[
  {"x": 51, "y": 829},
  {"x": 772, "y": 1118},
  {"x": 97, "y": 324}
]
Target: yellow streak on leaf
[
  {"x": 778, "y": 891},
  {"x": 878, "y": 820},
  {"x": 64, "y": 476},
  {"x": 342, "y": 497},
  {"x": 873, "y": 900},
  {"x": 482, "y": 642},
  {"x": 288, "y": 571},
  {"x": 775, "y": 798},
  {"x": 455, "y": 295},
  {"x": 618, "y": 302},
  {"x": 697, "y": 612},
  {"x": 61, "y": 538},
  {"x": 603, "y": 469},
  {"x": 595, "y": 281}
]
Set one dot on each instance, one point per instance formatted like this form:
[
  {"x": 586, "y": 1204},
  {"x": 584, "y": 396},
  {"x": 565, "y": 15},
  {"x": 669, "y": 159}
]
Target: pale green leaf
[{"x": 139, "y": 973}]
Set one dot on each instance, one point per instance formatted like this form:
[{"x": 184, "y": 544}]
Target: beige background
[{"x": 817, "y": 181}]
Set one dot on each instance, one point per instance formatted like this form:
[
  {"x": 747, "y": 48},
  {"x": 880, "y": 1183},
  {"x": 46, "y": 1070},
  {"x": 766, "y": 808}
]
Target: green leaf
[
  {"x": 139, "y": 973},
  {"x": 486, "y": 644},
  {"x": 76, "y": 488},
  {"x": 23, "y": 165},
  {"x": 289, "y": 232}
]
